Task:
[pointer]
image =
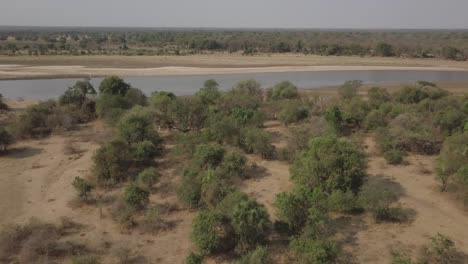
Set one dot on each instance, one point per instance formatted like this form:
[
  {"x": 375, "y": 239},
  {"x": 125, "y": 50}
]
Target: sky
[{"x": 238, "y": 13}]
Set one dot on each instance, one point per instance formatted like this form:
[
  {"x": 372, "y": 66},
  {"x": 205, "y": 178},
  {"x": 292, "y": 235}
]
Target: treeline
[{"x": 424, "y": 44}]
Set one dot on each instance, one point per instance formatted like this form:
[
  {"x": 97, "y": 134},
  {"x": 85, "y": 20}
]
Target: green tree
[
  {"x": 111, "y": 161},
  {"x": 210, "y": 93},
  {"x": 78, "y": 93},
  {"x": 3, "y": 105},
  {"x": 330, "y": 163},
  {"x": 349, "y": 89},
  {"x": 384, "y": 49},
  {"x": 284, "y": 90},
  {"x": 83, "y": 187},
  {"x": 114, "y": 85},
  {"x": 211, "y": 233}
]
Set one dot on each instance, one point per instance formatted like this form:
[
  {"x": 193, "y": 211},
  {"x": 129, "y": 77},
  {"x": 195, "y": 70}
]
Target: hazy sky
[{"x": 238, "y": 13}]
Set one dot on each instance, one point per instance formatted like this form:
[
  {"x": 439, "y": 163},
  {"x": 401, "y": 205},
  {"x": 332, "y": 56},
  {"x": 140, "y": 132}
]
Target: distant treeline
[{"x": 451, "y": 45}]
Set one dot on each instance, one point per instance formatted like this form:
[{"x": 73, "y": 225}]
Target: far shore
[{"x": 47, "y": 67}]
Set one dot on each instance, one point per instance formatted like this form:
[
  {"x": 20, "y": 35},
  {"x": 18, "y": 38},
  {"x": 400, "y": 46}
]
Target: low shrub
[
  {"x": 257, "y": 141},
  {"x": 147, "y": 178},
  {"x": 441, "y": 250},
  {"x": 135, "y": 197},
  {"x": 292, "y": 112},
  {"x": 393, "y": 156},
  {"x": 258, "y": 256},
  {"x": 82, "y": 187},
  {"x": 377, "y": 197}
]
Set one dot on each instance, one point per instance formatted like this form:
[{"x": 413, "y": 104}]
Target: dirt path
[
  {"x": 434, "y": 212},
  {"x": 35, "y": 181}
]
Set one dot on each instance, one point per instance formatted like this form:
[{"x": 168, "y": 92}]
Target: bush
[
  {"x": 111, "y": 107},
  {"x": 441, "y": 250},
  {"x": 375, "y": 119},
  {"x": 147, "y": 178},
  {"x": 450, "y": 120},
  {"x": 384, "y": 49},
  {"x": 293, "y": 112},
  {"x": 308, "y": 250},
  {"x": 137, "y": 126},
  {"x": 250, "y": 223},
  {"x": 210, "y": 93},
  {"x": 193, "y": 259},
  {"x": 111, "y": 161},
  {"x": 349, "y": 89},
  {"x": 342, "y": 201},
  {"x": 452, "y": 159},
  {"x": 378, "y": 96},
  {"x": 393, "y": 156},
  {"x": 401, "y": 259},
  {"x": 135, "y": 97},
  {"x": 77, "y": 94},
  {"x": 301, "y": 206},
  {"x": 83, "y": 187},
  {"x": 284, "y": 90},
  {"x": 6, "y": 139},
  {"x": 189, "y": 191},
  {"x": 330, "y": 163},
  {"x": 86, "y": 260},
  {"x": 211, "y": 233},
  {"x": 233, "y": 165},
  {"x": 213, "y": 188},
  {"x": 377, "y": 197},
  {"x": 114, "y": 85},
  {"x": 334, "y": 118},
  {"x": 135, "y": 197},
  {"x": 34, "y": 122},
  {"x": 258, "y": 256},
  {"x": 208, "y": 155},
  {"x": 257, "y": 141}
]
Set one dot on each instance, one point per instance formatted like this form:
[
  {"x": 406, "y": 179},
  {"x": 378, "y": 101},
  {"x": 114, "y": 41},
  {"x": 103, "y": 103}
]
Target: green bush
[
  {"x": 452, "y": 159},
  {"x": 292, "y": 112},
  {"x": 78, "y": 93},
  {"x": 354, "y": 112},
  {"x": 301, "y": 206},
  {"x": 376, "y": 196},
  {"x": 393, "y": 156},
  {"x": 375, "y": 119},
  {"x": 450, "y": 120},
  {"x": 330, "y": 163},
  {"x": 189, "y": 191},
  {"x": 114, "y": 85},
  {"x": 284, "y": 90},
  {"x": 34, "y": 121},
  {"x": 211, "y": 233},
  {"x": 193, "y": 259},
  {"x": 334, "y": 118},
  {"x": 257, "y": 141},
  {"x": 135, "y": 97},
  {"x": 148, "y": 177},
  {"x": 210, "y": 93},
  {"x": 233, "y": 165},
  {"x": 441, "y": 250},
  {"x": 135, "y": 197},
  {"x": 83, "y": 187},
  {"x": 111, "y": 107},
  {"x": 111, "y": 161},
  {"x": 342, "y": 201},
  {"x": 378, "y": 96},
  {"x": 6, "y": 139},
  {"x": 401, "y": 259},
  {"x": 308, "y": 250},
  {"x": 213, "y": 188},
  {"x": 250, "y": 223},
  {"x": 258, "y": 256},
  {"x": 208, "y": 155}
]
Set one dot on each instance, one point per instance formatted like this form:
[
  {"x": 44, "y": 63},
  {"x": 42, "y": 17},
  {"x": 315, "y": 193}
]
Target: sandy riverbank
[{"x": 98, "y": 66}]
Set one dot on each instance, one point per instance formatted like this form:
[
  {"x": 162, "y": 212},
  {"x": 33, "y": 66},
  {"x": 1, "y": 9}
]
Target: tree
[
  {"x": 258, "y": 141},
  {"x": 111, "y": 161},
  {"x": 78, "y": 93},
  {"x": 114, "y": 85},
  {"x": 187, "y": 114},
  {"x": 210, "y": 93},
  {"x": 330, "y": 163},
  {"x": 378, "y": 96},
  {"x": 452, "y": 158},
  {"x": 136, "y": 197},
  {"x": 284, "y": 90},
  {"x": 334, "y": 118}
]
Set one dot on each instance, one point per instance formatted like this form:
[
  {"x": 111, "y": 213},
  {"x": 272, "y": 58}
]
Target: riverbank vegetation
[
  {"x": 213, "y": 144},
  {"x": 413, "y": 44}
]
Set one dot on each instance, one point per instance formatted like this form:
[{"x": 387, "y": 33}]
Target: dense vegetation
[
  {"x": 418, "y": 44},
  {"x": 216, "y": 134}
]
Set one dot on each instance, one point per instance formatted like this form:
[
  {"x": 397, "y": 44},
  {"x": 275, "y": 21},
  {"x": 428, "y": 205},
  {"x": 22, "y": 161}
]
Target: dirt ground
[{"x": 28, "y": 67}]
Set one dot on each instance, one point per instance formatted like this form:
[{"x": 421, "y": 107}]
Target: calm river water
[{"x": 189, "y": 84}]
